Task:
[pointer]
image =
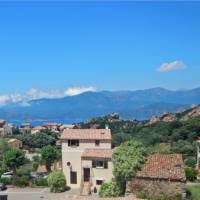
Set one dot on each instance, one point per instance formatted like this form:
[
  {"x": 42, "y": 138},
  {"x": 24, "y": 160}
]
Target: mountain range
[{"x": 139, "y": 104}]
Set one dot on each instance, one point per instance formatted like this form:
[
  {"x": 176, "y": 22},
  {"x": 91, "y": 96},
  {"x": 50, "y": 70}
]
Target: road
[{"x": 37, "y": 194}]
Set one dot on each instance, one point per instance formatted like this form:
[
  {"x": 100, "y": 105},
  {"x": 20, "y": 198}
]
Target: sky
[{"x": 64, "y": 48}]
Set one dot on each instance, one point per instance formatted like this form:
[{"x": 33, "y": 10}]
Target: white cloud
[
  {"x": 175, "y": 65},
  {"x": 34, "y": 94},
  {"x": 78, "y": 90}
]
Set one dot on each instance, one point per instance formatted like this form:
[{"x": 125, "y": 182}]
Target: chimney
[{"x": 106, "y": 126}]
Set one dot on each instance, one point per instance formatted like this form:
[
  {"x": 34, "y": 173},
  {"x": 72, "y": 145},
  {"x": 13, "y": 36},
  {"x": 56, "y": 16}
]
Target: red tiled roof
[
  {"x": 51, "y": 124},
  {"x": 38, "y": 128},
  {"x": 87, "y": 134},
  {"x": 97, "y": 153},
  {"x": 163, "y": 167}
]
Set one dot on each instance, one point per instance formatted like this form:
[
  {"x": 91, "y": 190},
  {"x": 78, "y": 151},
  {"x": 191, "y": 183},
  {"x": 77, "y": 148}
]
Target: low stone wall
[{"x": 155, "y": 187}]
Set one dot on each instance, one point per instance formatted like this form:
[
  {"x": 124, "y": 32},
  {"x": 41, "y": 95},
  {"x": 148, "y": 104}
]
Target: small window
[
  {"x": 73, "y": 143},
  {"x": 99, "y": 182},
  {"x": 100, "y": 164},
  {"x": 97, "y": 142},
  {"x": 105, "y": 164}
]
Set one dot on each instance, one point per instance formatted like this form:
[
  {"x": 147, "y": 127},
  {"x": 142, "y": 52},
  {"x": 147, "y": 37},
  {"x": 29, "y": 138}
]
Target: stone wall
[{"x": 155, "y": 187}]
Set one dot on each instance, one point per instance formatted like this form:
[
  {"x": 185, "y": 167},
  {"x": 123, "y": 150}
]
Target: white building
[{"x": 86, "y": 158}]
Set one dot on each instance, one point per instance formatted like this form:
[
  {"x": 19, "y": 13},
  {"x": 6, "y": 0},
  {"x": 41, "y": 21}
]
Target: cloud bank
[
  {"x": 34, "y": 94},
  {"x": 172, "y": 66}
]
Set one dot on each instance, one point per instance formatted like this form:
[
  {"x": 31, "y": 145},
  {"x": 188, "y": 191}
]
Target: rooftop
[
  {"x": 87, "y": 134},
  {"x": 163, "y": 167},
  {"x": 97, "y": 153},
  {"x": 38, "y": 128}
]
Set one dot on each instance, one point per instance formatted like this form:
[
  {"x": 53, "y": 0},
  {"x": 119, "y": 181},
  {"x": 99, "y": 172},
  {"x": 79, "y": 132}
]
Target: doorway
[{"x": 86, "y": 174}]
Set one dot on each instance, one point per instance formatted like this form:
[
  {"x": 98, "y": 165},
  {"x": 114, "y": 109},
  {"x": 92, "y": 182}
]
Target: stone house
[
  {"x": 86, "y": 158},
  {"x": 160, "y": 175}
]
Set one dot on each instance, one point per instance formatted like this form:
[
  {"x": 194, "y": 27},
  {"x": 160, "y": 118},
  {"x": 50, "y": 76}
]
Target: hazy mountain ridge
[{"x": 140, "y": 104}]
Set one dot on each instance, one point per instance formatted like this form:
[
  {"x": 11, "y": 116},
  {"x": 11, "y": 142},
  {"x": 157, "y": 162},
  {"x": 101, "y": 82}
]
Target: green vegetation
[
  {"x": 49, "y": 155},
  {"x": 13, "y": 159},
  {"x": 37, "y": 140},
  {"x": 21, "y": 181},
  {"x": 40, "y": 182},
  {"x": 57, "y": 182},
  {"x": 142, "y": 195},
  {"x": 194, "y": 192},
  {"x": 111, "y": 189},
  {"x": 191, "y": 174}
]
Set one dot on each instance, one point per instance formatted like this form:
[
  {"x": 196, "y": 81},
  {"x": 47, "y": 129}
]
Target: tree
[
  {"x": 13, "y": 159},
  {"x": 57, "y": 182},
  {"x": 127, "y": 160},
  {"x": 191, "y": 174},
  {"x": 49, "y": 155}
]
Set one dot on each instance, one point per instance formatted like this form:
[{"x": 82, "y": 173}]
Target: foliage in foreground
[
  {"x": 142, "y": 195},
  {"x": 57, "y": 182},
  {"x": 110, "y": 189},
  {"x": 13, "y": 159},
  {"x": 194, "y": 192},
  {"x": 191, "y": 174}
]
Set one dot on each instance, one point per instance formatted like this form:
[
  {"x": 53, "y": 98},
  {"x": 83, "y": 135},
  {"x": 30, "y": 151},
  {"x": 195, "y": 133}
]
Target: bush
[
  {"x": 57, "y": 182},
  {"x": 41, "y": 182},
  {"x": 191, "y": 174},
  {"x": 21, "y": 181},
  {"x": 6, "y": 181},
  {"x": 142, "y": 195},
  {"x": 190, "y": 162},
  {"x": 110, "y": 190}
]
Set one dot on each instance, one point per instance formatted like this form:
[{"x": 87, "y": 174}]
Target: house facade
[{"x": 86, "y": 158}]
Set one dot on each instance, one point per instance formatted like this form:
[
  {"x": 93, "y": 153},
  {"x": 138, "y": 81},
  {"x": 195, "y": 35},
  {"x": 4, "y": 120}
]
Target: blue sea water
[{"x": 40, "y": 122}]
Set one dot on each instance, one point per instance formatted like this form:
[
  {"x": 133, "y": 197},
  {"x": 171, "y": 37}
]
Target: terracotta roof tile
[
  {"x": 87, "y": 134},
  {"x": 38, "y": 128},
  {"x": 163, "y": 167},
  {"x": 97, "y": 153}
]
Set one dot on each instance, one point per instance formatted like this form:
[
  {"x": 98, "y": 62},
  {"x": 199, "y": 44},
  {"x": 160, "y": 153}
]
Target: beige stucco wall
[
  {"x": 73, "y": 155},
  {"x": 99, "y": 173}
]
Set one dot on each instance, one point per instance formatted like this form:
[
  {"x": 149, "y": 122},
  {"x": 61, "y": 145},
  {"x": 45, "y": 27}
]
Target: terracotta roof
[
  {"x": 51, "y": 124},
  {"x": 38, "y": 128},
  {"x": 163, "y": 167},
  {"x": 87, "y": 134},
  {"x": 97, "y": 153},
  {"x": 97, "y": 198}
]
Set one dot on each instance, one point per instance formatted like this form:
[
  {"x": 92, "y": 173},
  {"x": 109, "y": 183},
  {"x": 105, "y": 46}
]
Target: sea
[{"x": 40, "y": 122}]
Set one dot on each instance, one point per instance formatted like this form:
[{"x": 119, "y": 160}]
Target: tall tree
[
  {"x": 13, "y": 159},
  {"x": 49, "y": 155}
]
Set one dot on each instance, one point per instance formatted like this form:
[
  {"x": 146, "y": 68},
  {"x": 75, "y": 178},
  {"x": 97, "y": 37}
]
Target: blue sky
[{"x": 109, "y": 46}]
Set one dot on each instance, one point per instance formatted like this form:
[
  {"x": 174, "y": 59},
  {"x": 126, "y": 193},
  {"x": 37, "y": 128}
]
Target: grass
[{"x": 194, "y": 190}]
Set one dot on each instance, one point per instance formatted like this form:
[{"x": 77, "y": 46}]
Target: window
[
  {"x": 73, "y": 143},
  {"x": 73, "y": 177},
  {"x": 97, "y": 142},
  {"x": 99, "y": 182},
  {"x": 100, "y": 164}
]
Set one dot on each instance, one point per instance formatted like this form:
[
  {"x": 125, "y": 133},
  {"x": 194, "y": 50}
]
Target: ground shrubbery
[
  {"x": 110, "y": 190},
  {"x": 21, "y": 181},
  {"x": 57, "y": 182},
  {"x": 40, "y": 182},
  {"x": 191, "y": 174},
  {"x": 142, "y": 195}
]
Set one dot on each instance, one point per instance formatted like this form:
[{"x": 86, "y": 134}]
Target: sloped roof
[
  {"x": 87, "y": 134},
  {"x": 97, "y": 153},
  {"x": 163, "y": 167}
]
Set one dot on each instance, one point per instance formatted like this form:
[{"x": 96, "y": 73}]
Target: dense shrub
[
  {"x": 6, "y": 181},
  {"x": 190, "y": 162},
  {"x": 41, "y": 182},
  {"x": 21, "y": 181},
  {"x": 110, "y": 190},
  {"x": 191, "y": 174},
  {"x": 57, "y": 182}
]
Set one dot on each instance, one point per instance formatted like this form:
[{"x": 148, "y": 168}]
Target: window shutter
[
  {"x": 93, "y": 164},
  {"x": 106, "y": 164}
]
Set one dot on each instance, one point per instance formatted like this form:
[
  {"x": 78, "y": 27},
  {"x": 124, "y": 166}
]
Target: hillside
[
  {"x": 140, "y": 104},
  {"x": 169, "y": 133}
]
